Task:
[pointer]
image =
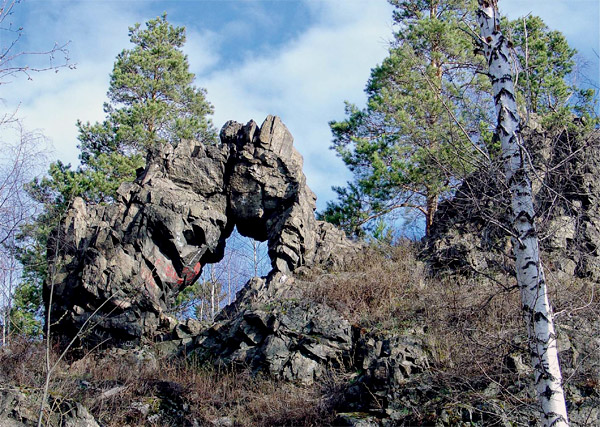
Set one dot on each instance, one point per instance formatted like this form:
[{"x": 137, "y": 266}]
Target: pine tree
[
  {"x": 545, "y": 78},
  {"x": 545, "y": 60},
  {"x": 152, "y": 100},
  {"x": 414, "y": 139},
  {"x": 152, "y": 97}
]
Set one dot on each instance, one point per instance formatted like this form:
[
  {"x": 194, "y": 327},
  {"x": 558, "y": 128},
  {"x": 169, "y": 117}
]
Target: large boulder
[
  {"x": 116, "y": 269},
  {"x": 272, "y": 327}
]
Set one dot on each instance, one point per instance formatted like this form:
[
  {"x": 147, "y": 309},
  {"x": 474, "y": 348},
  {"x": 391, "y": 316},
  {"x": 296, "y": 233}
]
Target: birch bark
[{"x": 530, "y": 275}]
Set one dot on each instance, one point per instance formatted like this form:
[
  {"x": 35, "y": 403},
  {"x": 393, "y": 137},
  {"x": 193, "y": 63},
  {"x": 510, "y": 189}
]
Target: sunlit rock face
[{"x": 117, "y": 269}]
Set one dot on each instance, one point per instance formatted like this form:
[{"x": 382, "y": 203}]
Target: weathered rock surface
[
  {"x": 470, "y": 231},
  {"x": 18, "y": 409},
  {"x": 272, "y": 328},
  {"x": 275, "y": 327},
  {"x": 118, "y": 268}
]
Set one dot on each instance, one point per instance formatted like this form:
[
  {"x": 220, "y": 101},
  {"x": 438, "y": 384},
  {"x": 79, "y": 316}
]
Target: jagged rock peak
[{"x": 125, "y": 263}]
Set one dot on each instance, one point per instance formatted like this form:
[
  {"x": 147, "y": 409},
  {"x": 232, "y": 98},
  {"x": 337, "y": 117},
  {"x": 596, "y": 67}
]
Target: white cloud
[
  {"x": 306, "y": 81},
  {"x": 54, "y": 112},
  {"x": 53, "y": 102},
  {"x": 204, "y": 47}
]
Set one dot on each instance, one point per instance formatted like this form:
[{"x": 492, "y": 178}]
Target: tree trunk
[
  {"x": 530, "y": 275},
  {"x": 432, "y": 205},
  {"x": 229, "y": 282},
  {"x": 255, "y": 255},
  {"x": 4, "y": 327},
  {"x": 213, "y": 283},
  {"x": 212, "y": 301}
]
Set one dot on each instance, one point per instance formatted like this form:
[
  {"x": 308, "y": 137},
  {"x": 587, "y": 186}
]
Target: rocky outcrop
[
  {"x": 470, "y": 231},
  {"x": 116, "y": 269},
  {"x": 274, "y": 329}
]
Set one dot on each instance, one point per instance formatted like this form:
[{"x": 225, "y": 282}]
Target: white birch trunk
[
  {"x": 212, "y": 301},
  {"x": 255, "y": 254},
  {"x": 530, "y": 275},
  {"x": 212, "y": 293},
  {"x": 4, "y": 317},
  {"x": 229, "y": 282}
]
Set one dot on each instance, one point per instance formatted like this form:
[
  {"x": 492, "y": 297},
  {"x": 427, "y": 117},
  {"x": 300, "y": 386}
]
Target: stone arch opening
[{"x": 219, "y": 283}]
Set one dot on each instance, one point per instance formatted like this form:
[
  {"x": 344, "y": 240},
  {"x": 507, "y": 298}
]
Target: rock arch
[{"x": 118, "y": 268}]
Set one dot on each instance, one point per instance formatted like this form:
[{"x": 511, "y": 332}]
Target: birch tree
[
  {"x": 530, "y": 274},
  {"x": 22, "y": 154},
  {"x": 14, "y": 59}
]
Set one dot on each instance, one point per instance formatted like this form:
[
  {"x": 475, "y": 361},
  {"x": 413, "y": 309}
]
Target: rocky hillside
[
  {"x": 376, "y": 343},
  {"x": 469, "y": 233},
  {"x": 339, "y": 333}
]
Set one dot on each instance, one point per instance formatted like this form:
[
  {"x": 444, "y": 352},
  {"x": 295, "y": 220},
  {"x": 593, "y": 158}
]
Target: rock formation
[
  {"x": 469, "y": 232},
  {"x": 276, "y": 327},
  {"x": 116, "y": 269},
  {"x": 272, "y": 327},
  {"x": 119, "y": 268}
]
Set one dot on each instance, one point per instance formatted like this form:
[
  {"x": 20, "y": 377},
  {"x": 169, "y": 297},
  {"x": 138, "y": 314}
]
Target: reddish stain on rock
[{"x": 189, "y": 274}]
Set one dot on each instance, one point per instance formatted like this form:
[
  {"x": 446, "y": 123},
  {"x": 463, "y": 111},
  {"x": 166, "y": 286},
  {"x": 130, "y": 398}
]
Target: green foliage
[
  {"x": 413, "y": 141},
  {"x": 152, "y": 97},
  {"x": 383, "y": 234},
  {"x": 96, "y": 183},
  {"x": 545, "y": 82},
  {"x": 152, "y": 101},
  {"x": 430, "y": 119},
  {"x": 24, "y": 315},
  {"x": 546, "y": 60},
  {"x": 347, "y": 213}
]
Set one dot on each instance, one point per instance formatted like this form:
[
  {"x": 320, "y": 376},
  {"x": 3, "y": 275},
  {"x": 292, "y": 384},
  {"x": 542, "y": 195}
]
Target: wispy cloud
[
  {"x": 205, "y": 47},
  {"x": 53, "y": 102}
]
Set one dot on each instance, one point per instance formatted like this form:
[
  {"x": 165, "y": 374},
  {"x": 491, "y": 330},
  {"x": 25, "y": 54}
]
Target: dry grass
[
  {"x": 170, "y": 392},
  {"x": 471, "y": 324},
  {"x": 389, "y": 291}
]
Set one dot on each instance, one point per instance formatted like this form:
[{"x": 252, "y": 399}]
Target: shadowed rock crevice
[{"x": 125, "y": 263}]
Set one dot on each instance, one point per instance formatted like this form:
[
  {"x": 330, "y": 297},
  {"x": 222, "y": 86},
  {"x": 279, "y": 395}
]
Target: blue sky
[{"x": 299, "y": 59}]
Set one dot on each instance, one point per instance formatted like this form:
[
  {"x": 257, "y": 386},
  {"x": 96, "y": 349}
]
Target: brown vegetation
[
  {"x": 472, "y": 328},
  {"x": 119, "y": 393},
  {"x": 473, "y": 325}
]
